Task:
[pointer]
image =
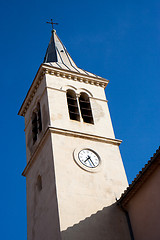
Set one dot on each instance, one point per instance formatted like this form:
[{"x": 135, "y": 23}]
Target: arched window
[
  {"x": 39, "y": 122},
  {"x": 34, "y": 127},
  {"x": 85, "y": 107},
  {"x": 72, "y": 105}
]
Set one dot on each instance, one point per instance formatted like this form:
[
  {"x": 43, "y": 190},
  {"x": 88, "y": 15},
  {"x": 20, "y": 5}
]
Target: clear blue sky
[{"x": 118, "y": 40}]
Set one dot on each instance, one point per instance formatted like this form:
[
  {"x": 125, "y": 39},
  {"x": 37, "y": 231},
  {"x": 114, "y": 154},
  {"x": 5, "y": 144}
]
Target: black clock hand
[
  {"x": 89, "y": 158},
  {"x": 91, "y": 162}
]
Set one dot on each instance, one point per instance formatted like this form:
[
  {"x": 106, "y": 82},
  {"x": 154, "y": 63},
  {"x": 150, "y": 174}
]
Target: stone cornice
[
  {"x": 71, "y": 75},
  {"x": 85, "y": 135},
  {"x": 68, "y": 133},
  {"x": 68, "y": 74}
]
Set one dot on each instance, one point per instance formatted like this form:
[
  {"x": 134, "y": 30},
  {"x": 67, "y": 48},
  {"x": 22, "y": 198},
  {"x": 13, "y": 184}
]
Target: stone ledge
[{"x": 85, "y": 135}]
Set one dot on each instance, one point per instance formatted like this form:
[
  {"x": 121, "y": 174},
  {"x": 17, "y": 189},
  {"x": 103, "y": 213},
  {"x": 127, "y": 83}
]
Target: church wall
[
  {"x": 144, "y": 209},
  {"x": 59, "y": 114},
  {"x": 42, "y": 213},
  {"x": 89, "y": 197}
]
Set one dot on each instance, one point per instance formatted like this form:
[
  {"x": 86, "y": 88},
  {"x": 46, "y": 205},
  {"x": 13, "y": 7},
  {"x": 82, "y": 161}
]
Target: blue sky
[{"x": 118, "y": 40}]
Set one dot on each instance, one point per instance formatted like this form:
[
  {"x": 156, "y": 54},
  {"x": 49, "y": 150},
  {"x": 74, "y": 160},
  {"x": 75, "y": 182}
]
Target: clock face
[{"x": 89, "y": 158}]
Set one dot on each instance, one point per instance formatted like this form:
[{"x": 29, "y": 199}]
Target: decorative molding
[{"x": 102, "y": 82}]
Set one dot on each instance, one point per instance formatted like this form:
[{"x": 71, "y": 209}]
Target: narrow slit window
[
  {"x": 85, "y": 107},
  {"x": 39, "y": 183},
  {"x": 73, "y": 105},
  {"x": 34, "y": 127}
]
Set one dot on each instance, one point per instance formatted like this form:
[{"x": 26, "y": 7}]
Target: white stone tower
[{"x": 74, "y": 170}]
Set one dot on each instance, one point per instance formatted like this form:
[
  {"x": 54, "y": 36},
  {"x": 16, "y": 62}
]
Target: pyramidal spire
[
  {"x": 56, "y": 52},
  {"x": 58, "y": 56}
]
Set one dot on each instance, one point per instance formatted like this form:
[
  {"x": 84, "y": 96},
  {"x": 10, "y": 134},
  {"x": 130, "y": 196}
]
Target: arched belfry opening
[
  {"x": 34, "y": 127},
  {"x": 85, "y": 107},
  {"x": 36, "y": 122},
  {"x": 72, "y": 105},
  {"x": 39, "y": 120}
]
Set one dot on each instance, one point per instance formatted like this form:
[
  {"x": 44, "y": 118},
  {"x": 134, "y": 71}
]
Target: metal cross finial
[{"x": 51, "y": 22}]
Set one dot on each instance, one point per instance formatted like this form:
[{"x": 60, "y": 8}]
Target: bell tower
[{"x": 74, "y": 170}]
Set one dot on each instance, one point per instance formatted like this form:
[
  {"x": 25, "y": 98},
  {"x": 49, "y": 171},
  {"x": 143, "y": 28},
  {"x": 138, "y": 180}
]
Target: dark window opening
[
  {"x": 39, "y": 121},
  {"x": 85, "y": 107},
  {"x": 73, "y": 105},
  {"x": 34, "y": 127},
  {"x": 39, "y": 183},
  {"x": 36, "y": 123}
]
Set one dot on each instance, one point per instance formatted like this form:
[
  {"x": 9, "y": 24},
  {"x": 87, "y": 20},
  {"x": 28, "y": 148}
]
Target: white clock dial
[{"x": 88, "y": 158}]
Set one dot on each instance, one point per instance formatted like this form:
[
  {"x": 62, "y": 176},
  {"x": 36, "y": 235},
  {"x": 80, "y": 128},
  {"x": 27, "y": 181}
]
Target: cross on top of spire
[{"x": 52, "y": 23}]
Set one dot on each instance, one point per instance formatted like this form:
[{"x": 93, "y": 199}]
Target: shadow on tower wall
[{"x": 108, "y": 224}]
